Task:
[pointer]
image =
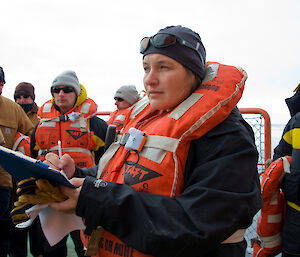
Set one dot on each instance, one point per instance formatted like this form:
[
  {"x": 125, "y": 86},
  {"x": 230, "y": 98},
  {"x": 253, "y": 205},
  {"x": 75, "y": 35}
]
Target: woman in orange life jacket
[
  {"x": 289, "y": 145},
  {"x": 70, "y": 116},
  {"x": 125, "y": 97},
  {"x": 192, "y": 189}
]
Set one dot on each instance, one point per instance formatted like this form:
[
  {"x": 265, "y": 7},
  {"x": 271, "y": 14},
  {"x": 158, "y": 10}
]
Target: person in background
[
  {"x": 125, "y": 97},
  {"x": 24, "y": 96},
  {"x": 181, "y": 179},
  {"x": 12, "y": 120},
  {"x": 289, "y": 145},
  {"x": 69, "y": 117}
]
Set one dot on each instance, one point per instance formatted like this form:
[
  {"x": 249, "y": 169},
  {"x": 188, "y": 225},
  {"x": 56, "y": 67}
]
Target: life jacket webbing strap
[
  {"x": 271, "y": 241},
  {"x": 293, "y": 205},
  {"x": 236, "y": 237},
  {"x": 162, "y": 142},
  {"x": 17, "y": 142},
  {"x": 78, "y": 122},
  {"x": 70, "y": 149},
  {"x": 153, "y": 141},
  {"x": 153, "y": 154},
  {"x": 106, "y": 157}
]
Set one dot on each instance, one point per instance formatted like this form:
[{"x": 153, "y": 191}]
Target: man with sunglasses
[
  {"x": 125, "y": 97},
  {"x": 69, "y": 117},
  {"x": 12, "y": 120}
]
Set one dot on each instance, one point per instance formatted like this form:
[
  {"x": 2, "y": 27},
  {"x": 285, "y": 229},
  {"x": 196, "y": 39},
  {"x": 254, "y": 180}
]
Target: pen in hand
[{"x": 59, "y": 149}]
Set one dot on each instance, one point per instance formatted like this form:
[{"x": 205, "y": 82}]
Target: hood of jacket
[{"x": 293, "y": 103}]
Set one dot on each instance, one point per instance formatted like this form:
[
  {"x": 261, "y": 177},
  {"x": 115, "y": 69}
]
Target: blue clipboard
[{"x": 21, "y": 167}]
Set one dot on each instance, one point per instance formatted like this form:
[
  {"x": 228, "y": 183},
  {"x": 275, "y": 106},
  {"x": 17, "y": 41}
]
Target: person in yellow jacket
[
  {"x": 12, "y": 120},
  {"x": 290, "y": 145},
  {"x": 69, "y": 117}
]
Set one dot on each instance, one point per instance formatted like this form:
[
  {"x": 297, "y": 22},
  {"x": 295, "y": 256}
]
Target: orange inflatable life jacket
[
  {"x": 158, "y": 167},
  {"x": 118, "y": 118},
  {"x": 22, "y": 144},
  {"x": 270, "y": 221},
  {"x": 72, "y": 129}
]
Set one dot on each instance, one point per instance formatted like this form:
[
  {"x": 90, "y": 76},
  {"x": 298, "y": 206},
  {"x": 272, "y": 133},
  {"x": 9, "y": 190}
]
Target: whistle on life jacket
[{"x": 136, "y": 140}]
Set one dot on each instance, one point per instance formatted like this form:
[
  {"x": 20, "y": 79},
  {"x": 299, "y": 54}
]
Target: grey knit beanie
[
  {"x": 182, "y": 54},
  {"x": 67, "y": 78},
  {"x": 128, "y": 93}
]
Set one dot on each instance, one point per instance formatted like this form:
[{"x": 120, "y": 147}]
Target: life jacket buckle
[{"x": 124, "y": 138}]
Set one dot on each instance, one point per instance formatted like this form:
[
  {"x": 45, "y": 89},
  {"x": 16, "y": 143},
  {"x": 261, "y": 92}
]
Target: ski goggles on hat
[
  {"x": 65, "y": 89},
  {"x": 161, "y": 40}
]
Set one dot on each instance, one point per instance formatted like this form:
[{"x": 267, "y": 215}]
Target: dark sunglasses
[
  {"x": 24, "y": 96},
  {"x": 162, "y": 40},
  {"x": 66, "y": 89},
  {"x": 119, "y": 99}
]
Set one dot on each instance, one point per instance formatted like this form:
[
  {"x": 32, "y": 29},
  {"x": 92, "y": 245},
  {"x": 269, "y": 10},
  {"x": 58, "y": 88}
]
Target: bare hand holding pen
[{"x": 65, "y": 163}]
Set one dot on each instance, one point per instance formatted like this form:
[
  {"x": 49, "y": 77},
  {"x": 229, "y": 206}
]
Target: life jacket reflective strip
[
  {"x": 72, "y": 129},
  {"x": 269, "y": 223},
  {"x": 118, "y": 118},
  {"x": 22, "y": 144},
  {"x": 71, "y": 149},
  {"x": 170, "y": 135}
]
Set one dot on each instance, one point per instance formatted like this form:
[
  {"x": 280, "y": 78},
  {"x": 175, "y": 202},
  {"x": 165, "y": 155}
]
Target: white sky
[{"x": 99, "y": 40}]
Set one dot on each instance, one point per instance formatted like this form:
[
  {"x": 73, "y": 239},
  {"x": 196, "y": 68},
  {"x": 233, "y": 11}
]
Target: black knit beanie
[
  {"x": 182, "y": 54},
  {"x": 2, "y": 78}
]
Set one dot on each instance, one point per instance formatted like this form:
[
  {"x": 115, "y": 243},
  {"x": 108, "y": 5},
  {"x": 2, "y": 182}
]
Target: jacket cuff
[
  {"x": 84, "y": 172},
  {"x": 90, "y": 202}
]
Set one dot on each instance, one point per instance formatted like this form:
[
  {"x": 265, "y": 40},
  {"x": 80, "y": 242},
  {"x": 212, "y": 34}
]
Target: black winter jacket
[{"x": 221, "y": 195}]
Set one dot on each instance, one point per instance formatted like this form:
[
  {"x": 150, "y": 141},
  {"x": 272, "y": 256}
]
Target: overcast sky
[{"x": 99, "y": 40}]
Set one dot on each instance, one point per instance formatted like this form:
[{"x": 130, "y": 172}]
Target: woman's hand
[
  {"x": 69, "y": 205},
  {"x": 65, "y": 163}
]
